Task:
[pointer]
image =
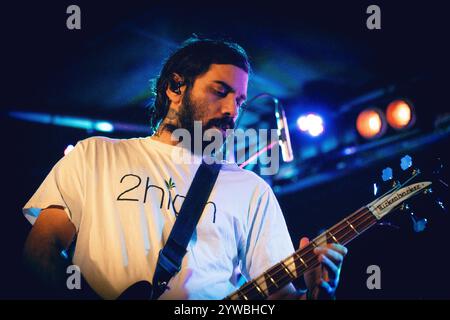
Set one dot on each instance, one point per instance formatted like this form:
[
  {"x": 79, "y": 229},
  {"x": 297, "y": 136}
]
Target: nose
[{"x": 230, "y": 107}]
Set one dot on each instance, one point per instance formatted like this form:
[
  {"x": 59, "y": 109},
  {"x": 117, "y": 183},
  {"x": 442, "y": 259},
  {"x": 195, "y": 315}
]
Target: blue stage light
[
  {"x": 311, "y": 123},
  {"x": 104, "y": 126}
]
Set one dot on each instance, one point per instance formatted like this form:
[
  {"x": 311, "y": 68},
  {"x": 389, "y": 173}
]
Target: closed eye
[{"x": 220, "y": 93}]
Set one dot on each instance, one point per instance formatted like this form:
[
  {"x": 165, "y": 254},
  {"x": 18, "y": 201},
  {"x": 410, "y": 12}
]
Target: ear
[{"x": 175, "y": 90}]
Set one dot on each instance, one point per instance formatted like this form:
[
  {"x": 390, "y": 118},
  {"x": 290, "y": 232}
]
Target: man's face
[{"x": 215, "y": 98}]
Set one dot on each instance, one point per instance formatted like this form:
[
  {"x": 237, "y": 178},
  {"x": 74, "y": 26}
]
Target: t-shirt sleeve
[
  {"x": 268, "y": 240},
  {"x": 63, "y": 186}
]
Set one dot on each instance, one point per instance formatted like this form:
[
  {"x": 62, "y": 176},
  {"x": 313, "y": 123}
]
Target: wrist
[{"x": 318, "y": 293}]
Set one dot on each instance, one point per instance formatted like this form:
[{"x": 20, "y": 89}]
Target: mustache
[{"x": 223, "y": 123}]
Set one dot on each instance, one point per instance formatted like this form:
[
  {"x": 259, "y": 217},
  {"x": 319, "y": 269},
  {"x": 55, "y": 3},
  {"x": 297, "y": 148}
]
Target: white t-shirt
[{"x": 123, "y": 197}]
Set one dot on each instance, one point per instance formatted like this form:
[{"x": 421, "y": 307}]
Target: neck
[
  {"x": 304, "y": 260},
  {"x": 169, "y": 124},
  {"x": 164, "y": 135}
]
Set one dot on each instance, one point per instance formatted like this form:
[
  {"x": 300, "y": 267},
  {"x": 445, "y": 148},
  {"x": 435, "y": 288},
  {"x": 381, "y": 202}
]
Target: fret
[
  {"x": 301, "y": 259},
  {"x": 260, "y": 291},
  {"x": 351, "y": 226},
  {"x": 270, "y": 286},
  {"x": 243, "y": 296},
  {"x": 364, "y": 221},
  {"x": 273, "y": 281},
  {"x": 333, "y": 237},
  {"x": 351, "y": 223},
  {"x": 289, "y": 273}
]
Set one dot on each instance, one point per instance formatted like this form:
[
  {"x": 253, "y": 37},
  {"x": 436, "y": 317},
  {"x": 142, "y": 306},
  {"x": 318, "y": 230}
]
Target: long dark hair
[{"x": 192, "y": 59}]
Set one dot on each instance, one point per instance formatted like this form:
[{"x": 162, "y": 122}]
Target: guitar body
[{"x": 142, "y": 290}]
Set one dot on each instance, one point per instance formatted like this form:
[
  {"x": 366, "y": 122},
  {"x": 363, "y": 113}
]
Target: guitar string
[
  {"x": 274, "y": 271},
  {"x": 364, "y": 211},
  {"x": 315, "y": 240}
]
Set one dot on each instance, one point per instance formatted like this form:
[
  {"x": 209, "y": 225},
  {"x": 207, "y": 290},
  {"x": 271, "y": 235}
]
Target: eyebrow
[{"x": 230, "y": 88}]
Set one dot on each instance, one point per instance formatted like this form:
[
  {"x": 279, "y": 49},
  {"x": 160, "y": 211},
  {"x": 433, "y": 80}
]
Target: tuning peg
[
  {"x": 404, "y": 207},
  {"x": 375, "y": 189},
  {"x": 419, "y": 225},
  {"x": 396, "y": 184},
  {"x": 406, "y": 162},
  {"x": 436, "y": 199},
  {"x": 387, "y": 184},
  {"x": 387, "y": 174},
  {"x": 440, "y": 204},
  {"x": 388, "y": 178}
]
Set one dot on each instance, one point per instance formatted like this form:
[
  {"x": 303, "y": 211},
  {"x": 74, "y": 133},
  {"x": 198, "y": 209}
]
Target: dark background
[{"x": 312, "y": 56}]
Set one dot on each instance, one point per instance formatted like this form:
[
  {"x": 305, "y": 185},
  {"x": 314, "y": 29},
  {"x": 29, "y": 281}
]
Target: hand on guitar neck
[{"x": 323, "y": 280}]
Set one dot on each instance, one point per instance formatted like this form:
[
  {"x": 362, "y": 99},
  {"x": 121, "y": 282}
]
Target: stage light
[
  {"x": 311, "y": 123},
  {"x": 400, "y": 114},
  {"x": 104, "y": 126},
  {"x": 68, "y": 149},
  {"x": 371, "y": 123}
]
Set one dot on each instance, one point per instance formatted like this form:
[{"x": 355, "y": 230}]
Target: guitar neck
[{"x": 304, "y": 259}]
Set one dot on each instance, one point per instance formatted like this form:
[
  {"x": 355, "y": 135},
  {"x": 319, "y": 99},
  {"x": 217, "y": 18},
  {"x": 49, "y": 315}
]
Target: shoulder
[
  {"x": 99, "y": 148},
  {"x": 101, "y": 142},
  {"x": 98, "y": 141},
  {"x": 234, "y": 174}
]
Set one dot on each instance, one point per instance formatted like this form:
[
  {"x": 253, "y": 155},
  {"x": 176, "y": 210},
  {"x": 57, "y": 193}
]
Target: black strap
[{"x": 171, "y": 256}]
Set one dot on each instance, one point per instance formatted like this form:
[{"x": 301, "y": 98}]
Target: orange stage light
[
  {"x": 400, "y": 114},
  {"x": 371, "y": 123}
]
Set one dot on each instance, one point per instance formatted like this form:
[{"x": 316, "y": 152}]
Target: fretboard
[{"x": 304, "y": 259}]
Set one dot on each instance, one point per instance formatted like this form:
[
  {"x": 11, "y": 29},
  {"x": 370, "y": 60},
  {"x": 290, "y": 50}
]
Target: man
[{"x": 117, "y": 200}]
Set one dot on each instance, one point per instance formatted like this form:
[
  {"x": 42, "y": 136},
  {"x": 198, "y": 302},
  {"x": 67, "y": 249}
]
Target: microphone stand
[{"x": 282, "y": 128}]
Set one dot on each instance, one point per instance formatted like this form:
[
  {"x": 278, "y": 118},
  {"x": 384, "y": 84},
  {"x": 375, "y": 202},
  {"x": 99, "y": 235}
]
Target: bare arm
[{"x": 52, "y": 232}]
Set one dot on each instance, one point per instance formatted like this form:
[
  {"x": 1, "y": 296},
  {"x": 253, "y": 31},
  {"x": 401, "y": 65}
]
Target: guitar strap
[{"x": 171, "y": 256}]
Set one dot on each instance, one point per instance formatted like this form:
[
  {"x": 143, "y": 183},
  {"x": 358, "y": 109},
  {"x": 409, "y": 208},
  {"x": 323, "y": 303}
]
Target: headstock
[
  {"x": 394, "y": 199},
  {"x": 395, "y": 194}
]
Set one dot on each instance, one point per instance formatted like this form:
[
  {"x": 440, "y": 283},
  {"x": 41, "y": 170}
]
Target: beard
[{"x": 194, "y": 110}]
